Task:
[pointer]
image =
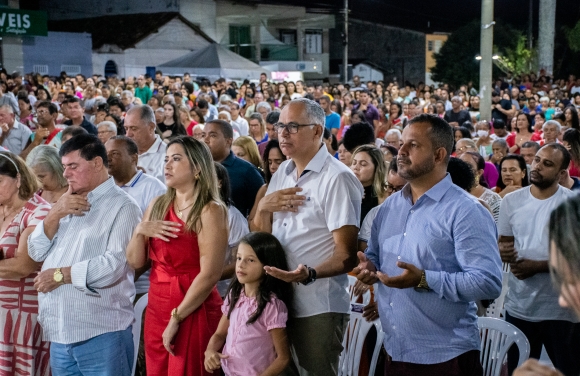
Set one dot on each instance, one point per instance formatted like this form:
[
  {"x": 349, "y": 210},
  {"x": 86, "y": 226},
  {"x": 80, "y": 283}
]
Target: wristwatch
[
  {"x": 311, "y": 276},
  {"x": 423, "y": 285},
  {"x": 58, "y": 276}
]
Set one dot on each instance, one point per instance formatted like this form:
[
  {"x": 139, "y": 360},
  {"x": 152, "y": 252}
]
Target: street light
[
  {"x": 478, "y": 57},
  {"x": 495, "y": 57}
]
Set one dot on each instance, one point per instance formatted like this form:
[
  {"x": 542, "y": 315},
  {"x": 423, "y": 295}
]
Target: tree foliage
[
  {"x": 573, "y": 36},
  {"x": 455, "y": 62},
  {"x": 520, "y": 59}
]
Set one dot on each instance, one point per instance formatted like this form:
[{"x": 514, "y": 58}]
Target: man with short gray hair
[
  {"x": 313, "y": 206},
  {"x": 15, "y": 135},
  {"x": 456, "y": 116},
  {"x": 140, "y": 127},
  {"x": 127, "y": 99}
]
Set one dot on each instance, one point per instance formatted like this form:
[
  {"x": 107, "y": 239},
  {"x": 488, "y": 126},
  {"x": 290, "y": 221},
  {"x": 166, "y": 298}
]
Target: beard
[
  {"x": 540, "y": 181},
  {"x": 413, "y": 171}
]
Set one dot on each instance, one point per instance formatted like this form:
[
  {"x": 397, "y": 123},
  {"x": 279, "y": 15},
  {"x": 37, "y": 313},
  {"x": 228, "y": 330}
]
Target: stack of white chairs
[{"x": 497, "y": 336}]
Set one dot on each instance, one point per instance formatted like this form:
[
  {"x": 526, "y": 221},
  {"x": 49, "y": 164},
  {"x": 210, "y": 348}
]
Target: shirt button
[
  {"x": 398, "y": 257},
  {"x": 412, "y": 211},
  {"x": 405, "y": 234},
  {"x": 394, "y": 327},
  {"x": 284, "y": 224},
  {"x": 391, "y": 304}
]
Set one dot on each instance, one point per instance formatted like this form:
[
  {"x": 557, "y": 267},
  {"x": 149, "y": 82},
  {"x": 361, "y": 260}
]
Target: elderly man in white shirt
[
  {"x": 86, "y": 287},
  {"x": 140, "y": 126},
  {"x": 313, "y": 206},
  {"x": 15, "y": 135}
]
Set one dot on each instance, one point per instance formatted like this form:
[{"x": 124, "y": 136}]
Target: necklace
[
  {"x": 4, "y": 212},
  {"x": 180, "y": 211}
]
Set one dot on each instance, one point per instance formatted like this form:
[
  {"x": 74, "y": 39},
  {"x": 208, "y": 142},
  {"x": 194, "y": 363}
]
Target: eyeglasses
[
  {"x": 290, "y": 127},
  {"x": 464, "y": 148},
  {"x": 392, "y": 188}
]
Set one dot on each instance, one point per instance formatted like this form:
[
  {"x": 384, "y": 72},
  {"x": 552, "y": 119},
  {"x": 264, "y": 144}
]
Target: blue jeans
[{"x": 109, "y": 354}]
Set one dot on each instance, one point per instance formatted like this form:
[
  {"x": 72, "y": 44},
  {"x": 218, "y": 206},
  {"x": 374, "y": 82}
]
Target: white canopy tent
[{"x": 214, "y": 61}]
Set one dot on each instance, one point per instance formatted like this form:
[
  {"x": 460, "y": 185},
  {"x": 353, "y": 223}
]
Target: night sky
[{"x": 438, "y": 15}]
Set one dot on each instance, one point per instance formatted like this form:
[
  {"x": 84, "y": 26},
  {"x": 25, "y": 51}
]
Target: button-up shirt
[
  {"x": 18, "y": 137},
  {"x": 333, "y": 200},
  {"x": 99, "y": 300},
  {"x": 453, "y": 238},
  {"x": 153, "y": 160}
]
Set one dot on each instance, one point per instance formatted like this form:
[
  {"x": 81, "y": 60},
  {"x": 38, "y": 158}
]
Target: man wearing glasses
[{"x": 313, "y": 207}]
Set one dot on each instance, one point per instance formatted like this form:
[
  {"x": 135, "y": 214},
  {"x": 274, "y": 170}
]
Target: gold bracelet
[{"x": 175, "y": 315}]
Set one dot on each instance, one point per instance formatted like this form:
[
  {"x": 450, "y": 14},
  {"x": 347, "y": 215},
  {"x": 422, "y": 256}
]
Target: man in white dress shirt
[
  {"x": 313, "y": 206},
  {"x": 140, "y": 126},
  {"x": 85, "y": 287}
]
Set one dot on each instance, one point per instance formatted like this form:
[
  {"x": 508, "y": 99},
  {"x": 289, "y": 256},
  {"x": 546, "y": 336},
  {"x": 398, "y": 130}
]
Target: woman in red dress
[{"x": 184, "y": 237}]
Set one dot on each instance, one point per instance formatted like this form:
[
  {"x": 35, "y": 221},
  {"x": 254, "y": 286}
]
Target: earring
[
  {"x": 477, "y": 179},
  {"x": 196, "y": 176}
]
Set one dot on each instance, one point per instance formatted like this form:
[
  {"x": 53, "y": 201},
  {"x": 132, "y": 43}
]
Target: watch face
[{"x": 58, "y": 277}]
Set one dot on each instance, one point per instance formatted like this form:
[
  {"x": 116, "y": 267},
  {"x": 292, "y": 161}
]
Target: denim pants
[{"x": 109, "y": 354}]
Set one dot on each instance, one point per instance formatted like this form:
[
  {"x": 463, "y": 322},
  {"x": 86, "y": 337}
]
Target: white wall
[
  {"x": 202, "y": 13},
  {"x": 12, "y": 54}
]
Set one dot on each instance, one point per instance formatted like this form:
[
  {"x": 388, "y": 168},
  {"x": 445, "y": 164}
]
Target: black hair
[
  {"x": 118, "y": 103},
  {"x": 572, "y": 137},
  {"x": 73, "y": 130},
  {"x": 469, "y": 126},
  {"x": 271, "y": 253},
  {"x": 202, "y": 103},
  {"x": 465, "y": 133},
  {"x": 52, "y": 109},
  {"x": 120, "y": 128},
  {"x": 272, "y": 117},
  {"x": 395, "y": 103},
  {"x": 179, "y": 128},
  {"x": 499, "y": 123},
  {"x": 529, "y": 120},
  {"x": 461, "y": 174},
  {"x": 224, "y": 126},
  {"x": 565, "y": 233},
  {"x": 272, "y": 144},
  {"x": 358, "y": 134},
  {"x": 71, "y": 99},
  {"x": 89, "y": 147},
  {"x": 224, "y": 179},
  {"x": 130, "y": 145},
  {"x": 531, "y": 144},
  {"x": 103, "y": 107},
  {"x": 480, "y": 162},
  {"x": 566, "y": 155},
  {"x": 441, "y": 133},
  {"x": 522, "y": 164},
  {"x": 393, "y": 166},
  {"x": 42, "y": 88},
  {"x": 575, "y": 120}
]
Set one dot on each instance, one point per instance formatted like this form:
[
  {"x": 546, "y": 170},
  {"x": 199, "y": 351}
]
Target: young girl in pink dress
[{"x": 253, "y": 325}]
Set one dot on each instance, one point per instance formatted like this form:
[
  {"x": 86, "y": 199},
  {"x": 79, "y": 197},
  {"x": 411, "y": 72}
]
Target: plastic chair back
[
  {"x": 354, "y": 338},
  {"x": 139, "y": 308},
  {"x": 496, "y": 309},
  {"x": 497, "y": 336}
]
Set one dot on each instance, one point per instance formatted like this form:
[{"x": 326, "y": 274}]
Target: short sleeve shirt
[
  {"x": 332, "y": 121},
  {"x": 333, "y": 200}
]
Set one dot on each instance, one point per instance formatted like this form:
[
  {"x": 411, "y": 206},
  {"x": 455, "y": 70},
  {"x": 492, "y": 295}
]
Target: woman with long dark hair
[
  {"x": 171, "y": 126},
  {"x": 513, "y": 174},
  {"x": 523, "y": 133}
]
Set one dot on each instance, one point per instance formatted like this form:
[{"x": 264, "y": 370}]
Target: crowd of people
[{"x": 240, "y": 209}]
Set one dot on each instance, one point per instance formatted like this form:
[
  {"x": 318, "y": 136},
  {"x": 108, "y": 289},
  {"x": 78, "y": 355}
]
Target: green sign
[{"x": 19, "y": 22}]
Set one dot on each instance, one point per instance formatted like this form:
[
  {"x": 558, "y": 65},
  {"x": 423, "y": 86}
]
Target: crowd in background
[{"x": 286, "y": 182}]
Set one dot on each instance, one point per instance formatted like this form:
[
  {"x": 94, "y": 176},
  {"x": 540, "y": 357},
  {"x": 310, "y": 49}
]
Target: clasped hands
[
  {"x": 367, "y": 273},
  {"x": 521, "y": 268}
]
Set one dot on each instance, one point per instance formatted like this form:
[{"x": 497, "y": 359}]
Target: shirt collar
[
  {"x": 316, "y": 163},
  {"x": 229, "y": 159},
  {"x": 155, "y": 147},
  {"x": 102, "y": 189},
  {"x": 16, "y": 124},
  {"x": 435, "y": 193},
  {"x": 133, "y": 180}
]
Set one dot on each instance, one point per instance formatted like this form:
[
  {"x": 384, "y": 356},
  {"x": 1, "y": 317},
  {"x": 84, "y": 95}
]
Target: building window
[
  {"x": 430, "y": 46},
  {"x": 313, "y": 41},
  {"x": 71, "y": 70},
  {"x": 288, "y": 37},
  {"x": 110, "y": 68},
  {"x": 42, "y": 69},
  {"x": 438, "y": 45},
  {"x": 241, "y": 41}
]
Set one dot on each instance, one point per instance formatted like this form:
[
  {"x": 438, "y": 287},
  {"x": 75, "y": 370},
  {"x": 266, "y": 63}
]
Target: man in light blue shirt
[
  {"x": 433, "y": 247},
  {"x": 332, "y": 118}
]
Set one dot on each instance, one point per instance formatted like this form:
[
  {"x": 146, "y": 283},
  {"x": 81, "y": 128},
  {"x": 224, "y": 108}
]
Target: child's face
[{"x": 249, "y": 269}]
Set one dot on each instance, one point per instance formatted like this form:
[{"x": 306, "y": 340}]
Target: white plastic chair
[
  {"x": 496, "y": 309},
  {"x": 355, "y": 299},
  {"x": 353, "y": 342},
  {"x": 497, "y": 336},
  {"x": 139, "y": 308}
]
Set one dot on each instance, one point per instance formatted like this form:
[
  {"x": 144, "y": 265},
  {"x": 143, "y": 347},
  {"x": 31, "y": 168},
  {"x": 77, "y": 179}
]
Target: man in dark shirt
[
  {"x": 456, "y": 116},
  {"x": 245, "y": 180},
  {"x": 501, "y": 108},
  {"x": 370, "y": 111},
  {"x": 75, "y": 113}
]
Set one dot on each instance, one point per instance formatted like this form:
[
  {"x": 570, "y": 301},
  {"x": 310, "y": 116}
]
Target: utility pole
[
  {"x": 486, "y": 63},
  {"x": 345, "y": 43},
  {"x": 531, "y": 24},
  {"x": 546, "y": 34}
]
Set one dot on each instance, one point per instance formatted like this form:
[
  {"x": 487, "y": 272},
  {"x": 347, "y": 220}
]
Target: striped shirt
[
  {"x": 99, "y": 300},
  {"x": 453, "y": 238}
]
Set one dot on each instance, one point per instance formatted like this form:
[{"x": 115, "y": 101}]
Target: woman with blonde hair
[
  {"x": 21, "y": 210},
  {"x": 370, "y": 169},
  {"x": 245, "y": 147},
  {"x": 182, "y": 236},
  {"x": 47, "y": 166}
]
